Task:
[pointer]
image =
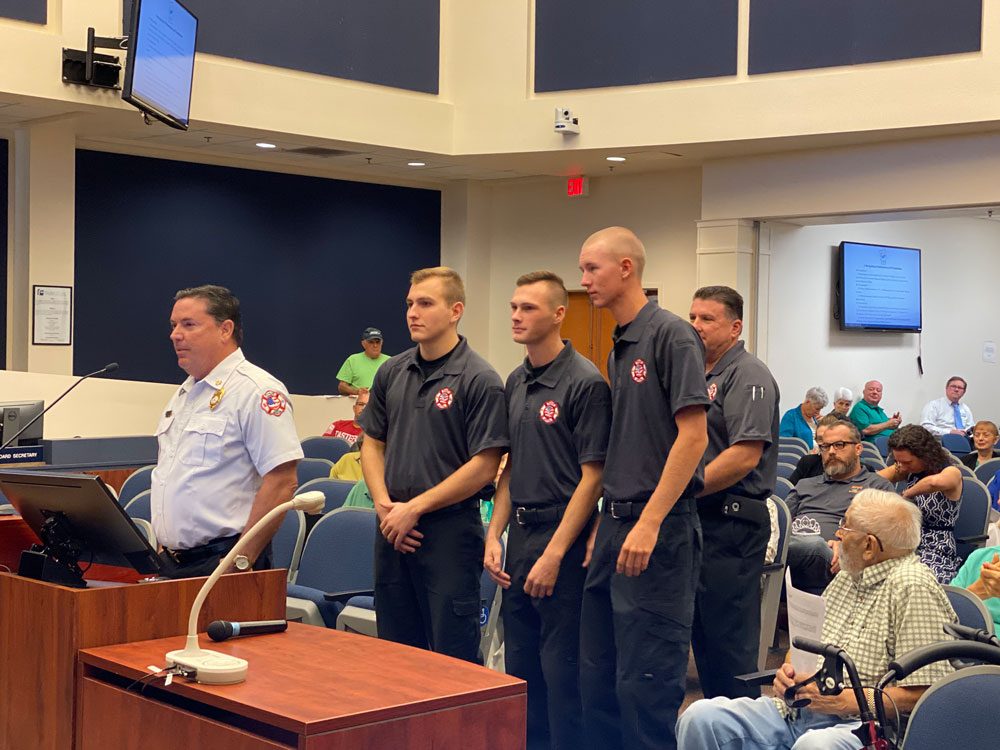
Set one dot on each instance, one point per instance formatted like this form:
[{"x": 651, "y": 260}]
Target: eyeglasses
[
  {"x": 837, "y": 446},
  {"x": 841, "y": 527}
]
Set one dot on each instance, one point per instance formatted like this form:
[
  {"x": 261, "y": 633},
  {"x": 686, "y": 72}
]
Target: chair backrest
[
  {"x": 338, "y": 553},
  {"x": 313, "y": 468},
  {"x": 287, "y": 542},
  {"x": 871, "y": 463},
  {"x": 966, "y": 471},
  {"x": 987, "y": 469},
  {"x": 784, "y": 524},
  {"x": 973, "y": 516},
  {"x": 957, "y": 711},
  {"x": 138, "y": 481},
  {"x": 335, "y": 490},
  {"x": 787, "y": 440},
  {"x": 782, "y": 487},
  {"x": 147, "y": 529},
  {"x": 869, "y": 450},
  {"x": 785, "y": 470},
  {"x": 789, "y": 457},
  {"x": 770, "y": 589},
  {"x": 882, "y": 443},
  {"x": 140, "y": 507},
  {"x": 970, "y": 608},
  {"x": 330, "y": 448},
  {"x": 957, "y": 444},
  {"x": 797, "y": 449}
]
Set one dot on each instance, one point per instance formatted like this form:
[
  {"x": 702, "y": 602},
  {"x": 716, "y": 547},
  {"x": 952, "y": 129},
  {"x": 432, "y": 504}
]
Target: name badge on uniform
[
  {"x": 216, "y": 398},
  {"x": 854, "y": 489}
]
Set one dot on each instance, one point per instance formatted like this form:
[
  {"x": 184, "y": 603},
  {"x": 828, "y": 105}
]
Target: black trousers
[
  {"x": 726, "y": 633},
  {"x": 430, "y": 598},
  {"x": 542, "y": 636},
  {"x": 635, "y": 635},
  {"x": 206, "y": 566}
]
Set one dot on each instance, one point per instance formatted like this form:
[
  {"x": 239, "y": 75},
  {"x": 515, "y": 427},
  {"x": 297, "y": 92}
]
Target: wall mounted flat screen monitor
[
  {"x": 879, "y": 287},
  {"x": 17, "y": 415},
  {"x": 94, "y": 523},
  {"x": 159, "y": 68}
]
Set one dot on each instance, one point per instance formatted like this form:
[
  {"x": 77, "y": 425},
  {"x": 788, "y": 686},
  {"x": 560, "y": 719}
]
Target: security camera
[{"x": 566, "y": 122}]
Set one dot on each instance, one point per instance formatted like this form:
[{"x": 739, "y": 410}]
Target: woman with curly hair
[{"x": 934, "y": 484}]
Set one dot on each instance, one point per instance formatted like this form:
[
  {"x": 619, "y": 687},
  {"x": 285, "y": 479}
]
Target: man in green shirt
[
  {"x": 870, "y": 419},
  {"x": 358, "y": 370}
]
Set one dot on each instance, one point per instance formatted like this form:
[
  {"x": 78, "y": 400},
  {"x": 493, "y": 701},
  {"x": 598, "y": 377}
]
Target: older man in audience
[
  {"x": 869, "y": 417},
  {"x": 882, "y": 604},
  {"x": 948, "y": 415},
  {"x": 817, "y": 505}
]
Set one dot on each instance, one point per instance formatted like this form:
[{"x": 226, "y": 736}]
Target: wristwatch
[{"x": 242, "y": 563}]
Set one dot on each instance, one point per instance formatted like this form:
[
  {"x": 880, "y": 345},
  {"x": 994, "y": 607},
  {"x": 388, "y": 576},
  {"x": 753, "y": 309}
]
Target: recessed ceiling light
[
  {"x": 416, "y": 164},
  {"x": 264, "y": 144},
  {"x": 615, "y": 158}
]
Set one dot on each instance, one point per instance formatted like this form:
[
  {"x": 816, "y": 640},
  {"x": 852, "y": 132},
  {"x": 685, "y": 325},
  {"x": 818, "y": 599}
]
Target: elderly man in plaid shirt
[{"x": 882, "y": 604}]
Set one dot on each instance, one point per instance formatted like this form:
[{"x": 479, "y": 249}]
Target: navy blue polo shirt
[
  {"x": 432, "y": 427},
  {"x": 657, "y": 368},
  {"x": 744, "y": 407},
  {"x": 558, "y": 420}
]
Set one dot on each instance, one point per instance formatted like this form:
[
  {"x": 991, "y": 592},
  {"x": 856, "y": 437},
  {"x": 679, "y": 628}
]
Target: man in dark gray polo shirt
[
  {"x": 639, "y": 597},
  {"x": 559, "y": 410},
  {"x": 817, "y": 505},
  {"x": 742, "y": 463},
  {"x": 436, "y": 426}
]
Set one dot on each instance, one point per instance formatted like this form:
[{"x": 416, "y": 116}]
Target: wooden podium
[
  {"x": 308, "y": 688},
  {"x": 43, "y": 626}
]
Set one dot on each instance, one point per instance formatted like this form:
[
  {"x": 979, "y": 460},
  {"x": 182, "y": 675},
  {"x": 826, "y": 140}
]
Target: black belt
[
  {"x": 469, "y": 502},
  {"x": 735, "y": 506},
  {"x": 528, "y": 516},
  {"x": 624, "y": 510},
  {"x": 203, "y": 551}
]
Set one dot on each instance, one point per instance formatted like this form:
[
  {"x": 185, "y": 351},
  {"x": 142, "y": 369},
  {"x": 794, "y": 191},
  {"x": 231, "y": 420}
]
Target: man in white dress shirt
[
  {"x": 227, "y": 443},
  {"x": 946, "y": 415}
]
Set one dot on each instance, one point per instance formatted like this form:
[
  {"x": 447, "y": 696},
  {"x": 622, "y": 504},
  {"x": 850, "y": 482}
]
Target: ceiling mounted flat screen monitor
[
  {"x": 160, "y": 65},
  {"x": 79, "y": 521},
  {"x": 879, "y": 287}
]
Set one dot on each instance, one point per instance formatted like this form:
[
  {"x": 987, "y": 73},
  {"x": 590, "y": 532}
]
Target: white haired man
[{"x": 882, "y": 604}]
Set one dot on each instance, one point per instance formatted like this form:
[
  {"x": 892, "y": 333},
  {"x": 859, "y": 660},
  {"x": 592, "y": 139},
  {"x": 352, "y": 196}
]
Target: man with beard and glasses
[
  {"x": 817, "y": 504},
  {"x": 882, "y": 604}
]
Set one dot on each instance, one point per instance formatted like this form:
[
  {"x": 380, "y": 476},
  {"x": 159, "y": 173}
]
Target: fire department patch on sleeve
[
  {"x": 444, "y": 398},
  {"x": 549, "y": 412},
  {"x": 273, "y": 403}
]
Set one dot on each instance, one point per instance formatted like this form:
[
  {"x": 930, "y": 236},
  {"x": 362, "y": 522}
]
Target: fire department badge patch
[
  {"x": 274, "y": 403},
  {"x": 639, "y": 371},
  {"x": 444, "y": 399},
  {"x": 549, "y": 412}
]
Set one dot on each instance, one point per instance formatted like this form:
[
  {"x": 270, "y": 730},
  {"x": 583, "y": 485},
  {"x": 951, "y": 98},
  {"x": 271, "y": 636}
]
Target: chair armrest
[
  {"x": 757, "y": 678},
  {"x": 978, "y": 538},
  {"x": 343, "y": 596}
]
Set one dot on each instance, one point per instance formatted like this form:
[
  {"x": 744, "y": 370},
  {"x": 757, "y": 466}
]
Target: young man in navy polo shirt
[
  {"x": 638, "y": 602},
  {"x": 559, "y": 411},
  {"x": 435, "y": 426}
]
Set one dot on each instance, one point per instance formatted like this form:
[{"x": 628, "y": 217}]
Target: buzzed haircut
[
  {"x": 622, "y": 243},
  {"x": 454, "y": 289},
  {"x": 559, "y": 295},
  {"x": 832, "y": 418},
  {"x": 726, "y": 296},
  {"x": 220, "y": 303},
  {"x": 851, "y": 428}
]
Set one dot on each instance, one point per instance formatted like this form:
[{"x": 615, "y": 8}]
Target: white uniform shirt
[
  {"x": 211, "y": 460},
  {"x": 938, "y": 416}
]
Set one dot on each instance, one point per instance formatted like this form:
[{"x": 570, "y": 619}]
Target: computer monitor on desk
[
  {"x": 78, "y": 520},
  {"x": 16, "y": 415}
]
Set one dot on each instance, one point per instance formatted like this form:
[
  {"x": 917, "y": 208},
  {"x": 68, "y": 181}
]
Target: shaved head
[{"x": 621, "y": 243}]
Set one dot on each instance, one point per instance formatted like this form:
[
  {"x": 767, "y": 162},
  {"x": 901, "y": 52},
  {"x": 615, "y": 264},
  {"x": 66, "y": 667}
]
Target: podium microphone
[
  {"x": 110, "y": 367},
  {"x": 221, "y": 630}
]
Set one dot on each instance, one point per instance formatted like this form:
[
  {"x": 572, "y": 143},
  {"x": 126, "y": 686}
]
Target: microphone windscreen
[
  {"x": 220, "y": 630},
  {"x": 110, "y": 367}
]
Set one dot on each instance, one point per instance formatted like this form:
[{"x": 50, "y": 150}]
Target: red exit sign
[{"x": 577, "y": 187}]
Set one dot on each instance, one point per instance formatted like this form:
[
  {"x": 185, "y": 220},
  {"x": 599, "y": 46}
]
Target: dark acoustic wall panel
[
  {"x": 4, "y": 203},
  {"x": 35, "y": 11},
  {"x": 804, "y": 34},
  {"x": 388, "y": 42},
  {"x": 313, "y": 261},
  {"x": 585, "y": 44}
]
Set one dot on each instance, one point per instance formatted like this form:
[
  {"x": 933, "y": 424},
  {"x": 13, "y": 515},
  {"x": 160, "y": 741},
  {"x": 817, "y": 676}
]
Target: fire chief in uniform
[
  {"x": 741, "y": 466},
  {"x": 227, "y": 442},
  {"x": 638, "y": 602},
  {"x": 435, "y": 427},
  {"x": 559, "y": 412}
]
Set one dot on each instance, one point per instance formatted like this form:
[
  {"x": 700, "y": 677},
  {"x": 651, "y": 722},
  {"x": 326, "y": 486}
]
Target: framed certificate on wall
[{"x": 52, "y": 315}]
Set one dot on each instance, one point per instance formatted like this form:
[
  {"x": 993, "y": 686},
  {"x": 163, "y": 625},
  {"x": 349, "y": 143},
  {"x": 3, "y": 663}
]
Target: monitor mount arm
[
  {"x": 89, "y": 68},
  {"x": 57, "y": 559}
]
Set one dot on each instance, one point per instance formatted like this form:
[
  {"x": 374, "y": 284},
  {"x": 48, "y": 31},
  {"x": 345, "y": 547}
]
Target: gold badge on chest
[{"x": 216, "y": 398}]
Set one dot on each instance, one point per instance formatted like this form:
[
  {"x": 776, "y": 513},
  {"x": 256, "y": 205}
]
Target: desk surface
[{"x": 310, "y": 680}]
